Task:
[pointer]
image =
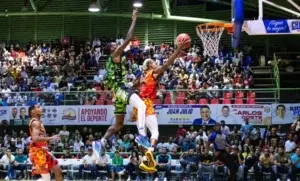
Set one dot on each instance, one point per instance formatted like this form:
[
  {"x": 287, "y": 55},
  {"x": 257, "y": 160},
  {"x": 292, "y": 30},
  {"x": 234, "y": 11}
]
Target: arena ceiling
[{"x": 153, "y": 9}]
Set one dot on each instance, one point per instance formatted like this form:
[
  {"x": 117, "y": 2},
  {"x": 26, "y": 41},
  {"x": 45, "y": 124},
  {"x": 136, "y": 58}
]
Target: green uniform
[{"x": 115, "y": 79}]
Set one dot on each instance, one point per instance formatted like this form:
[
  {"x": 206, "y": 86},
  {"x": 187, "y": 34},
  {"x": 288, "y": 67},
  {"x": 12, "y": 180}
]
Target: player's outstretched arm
[
  {"x": 118, "y": 52},
  {"x": 36, "y": 126},
  {"x": 172, "y": 58}
]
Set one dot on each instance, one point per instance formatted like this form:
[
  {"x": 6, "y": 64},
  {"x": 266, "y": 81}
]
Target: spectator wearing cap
[
  {"x": 88, "y": 163},
  {"x": 117, "y": 165},
  {"x": 163, "y": 161}
]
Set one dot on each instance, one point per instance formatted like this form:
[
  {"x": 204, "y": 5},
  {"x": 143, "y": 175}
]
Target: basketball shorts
[
  {"x": 122, "y": 95},
  {"x": 149, "y": 109},
  {"x": 42, "y": 160}
]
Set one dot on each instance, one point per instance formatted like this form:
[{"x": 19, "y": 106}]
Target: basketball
[{"x": 182, "y": 37}]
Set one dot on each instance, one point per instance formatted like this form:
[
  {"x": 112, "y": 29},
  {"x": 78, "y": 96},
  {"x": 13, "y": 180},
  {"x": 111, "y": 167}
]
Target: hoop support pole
[{"x": 260, "y": 9}]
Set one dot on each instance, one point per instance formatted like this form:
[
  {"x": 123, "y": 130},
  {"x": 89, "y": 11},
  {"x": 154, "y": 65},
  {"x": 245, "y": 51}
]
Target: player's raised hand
[
  {"x": 134, "y": 14},
  {"x": 184, "y": 44}
]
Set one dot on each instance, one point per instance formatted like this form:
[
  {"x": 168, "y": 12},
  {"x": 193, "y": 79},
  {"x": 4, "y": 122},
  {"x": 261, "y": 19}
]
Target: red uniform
[
  {"x": 148, "y": 91},
  {"x": 42, "y": 160}
]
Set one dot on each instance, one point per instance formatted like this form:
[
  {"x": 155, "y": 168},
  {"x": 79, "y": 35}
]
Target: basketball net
[{"x": 210, "y": 35}]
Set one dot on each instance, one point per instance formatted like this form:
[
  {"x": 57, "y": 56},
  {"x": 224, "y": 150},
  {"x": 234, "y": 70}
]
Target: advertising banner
[
  {"x": 236, "y": 114},
  {"x": 272, "y": 27},
  {"x": 285, "y": 113},
  {"x": 18, "y": 115},
  {"x": 100, "y": 115},
  {"x": 4, "y": 115},
  {"x": 233, "y": 114},
  {"x": 186, "y": 114}
]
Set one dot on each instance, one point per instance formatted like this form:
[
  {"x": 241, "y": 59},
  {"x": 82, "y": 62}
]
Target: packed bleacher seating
[
  {"x": 53, "y": 71},
  {"x": 269, "y": 153}
]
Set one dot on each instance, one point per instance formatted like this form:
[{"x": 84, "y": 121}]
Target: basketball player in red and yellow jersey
[
  {"x": 43, "y": 162},
  {"x": 147, "y": 91}
]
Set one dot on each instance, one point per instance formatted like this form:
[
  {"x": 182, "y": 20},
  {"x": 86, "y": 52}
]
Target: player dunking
[
  {"x": 115, "y": 79},
  {"x": 148, "y": 89},
  {"x": 43, "y": 162}
]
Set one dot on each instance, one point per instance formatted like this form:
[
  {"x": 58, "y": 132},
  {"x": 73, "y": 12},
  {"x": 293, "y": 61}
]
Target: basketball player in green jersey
[{"x": 115, "y": 79}]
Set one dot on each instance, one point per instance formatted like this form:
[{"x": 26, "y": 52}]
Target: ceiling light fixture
[
  {"x": 94, "y": 7},
  {"x": 137, "y": 3}
]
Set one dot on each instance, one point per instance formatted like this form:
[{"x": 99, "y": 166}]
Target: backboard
[{"x": 263, "y": 26}]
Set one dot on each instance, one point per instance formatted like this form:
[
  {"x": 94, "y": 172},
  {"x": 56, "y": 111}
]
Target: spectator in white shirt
[
  {"x": 23, "y": 73},
  {"x": 64, "y": 132},
  {"x": 38, "y": 67},
  {"x": 119, "y": 40},
  {"x": 26, "y": 139},
  {"x": 213, "y": 91},
  {"x": 192, "y": 132},
  {"x": 224, "y": 129},
  {"x": 103, "y": 162},
  {"x": 201, "y": 135},
  {"x": 161, "y": 144},
  {"x": 89, "y": 161},
  {"x": 98, "y": 78},
  {"x": 130, "y": 76},
  {"x": 6, "y": 90},
  {"x": 19, "y": 144},
  {"x": 170, "y": 145},
  {"x": 7, "y": 161},
  {"x": 96, "y": 42},
  {"x": 77, "y": 144},
  {"x": 290, "y": 144}
]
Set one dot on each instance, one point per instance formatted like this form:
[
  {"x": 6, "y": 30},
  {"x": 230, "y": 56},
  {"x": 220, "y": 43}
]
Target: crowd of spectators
[
  {"x": 52, "y": 68},
  {"x": 261, "y": 153}
]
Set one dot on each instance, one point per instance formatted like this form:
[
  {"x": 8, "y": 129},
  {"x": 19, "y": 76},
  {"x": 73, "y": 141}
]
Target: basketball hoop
[{"x": 210, "y": 34}]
